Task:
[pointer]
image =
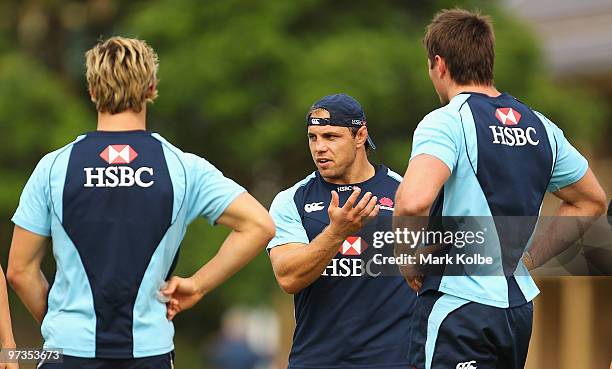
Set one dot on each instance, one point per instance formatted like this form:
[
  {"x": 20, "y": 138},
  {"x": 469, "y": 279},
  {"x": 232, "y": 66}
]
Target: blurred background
[{"x": 237, "y": 77}]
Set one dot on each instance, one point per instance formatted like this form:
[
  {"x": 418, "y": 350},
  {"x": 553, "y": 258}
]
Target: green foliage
[
  {"x": 37, "y": 115},
  {"x": 237, "y": 77}
]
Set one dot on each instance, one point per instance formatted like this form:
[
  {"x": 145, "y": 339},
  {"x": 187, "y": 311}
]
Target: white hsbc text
[{"x": 114, "y": 176}]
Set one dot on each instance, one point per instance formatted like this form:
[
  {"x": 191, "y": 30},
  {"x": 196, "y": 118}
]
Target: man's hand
[
  {"x": 182, "y": 294},
  {"x": 415, "y": 282},
  {"x": 252, "y": 229},
  {"x": 585, "y": 202},
  {"x": 297, "y": 265},
  {"x": 347, "y": 220},
  {"x": 411, "y": 273}
]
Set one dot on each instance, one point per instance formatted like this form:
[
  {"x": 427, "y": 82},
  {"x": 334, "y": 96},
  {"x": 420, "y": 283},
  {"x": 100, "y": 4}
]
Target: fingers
[
  {"x": 415, "y": 282},
  {"x": 351, "y": 200},
  {"x": 170, "y": 286},
  {"x": 335, "y": 200},
  {"x": 374, "y": 213},
  {"x": 172, "y": 308},
  {"x": 363, "y": 203},
  {"x": 369, "y": 207}
]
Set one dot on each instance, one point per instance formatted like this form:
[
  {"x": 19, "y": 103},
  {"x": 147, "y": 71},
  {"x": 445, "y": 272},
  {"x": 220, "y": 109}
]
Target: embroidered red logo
[
  {"x": 385, "y": 201},
  {"x": 508, "y": 116},
  {"x": 352, "y": 246},
  {"x": 118, "y": 154}
]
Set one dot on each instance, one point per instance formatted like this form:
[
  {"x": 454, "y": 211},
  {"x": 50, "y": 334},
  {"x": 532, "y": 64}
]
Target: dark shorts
[
  {"x": 165, "y": 361},
  {"x": 450, "y": 332}
]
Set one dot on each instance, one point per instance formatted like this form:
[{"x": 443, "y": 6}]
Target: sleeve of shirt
[
  {"x": 34, "y": 210},
  {"x": 437, "y": 135},
  {"x": 211, "y": 192},
  {"x": 570, "y": 165},
  {"x": 289, "y": 227}
]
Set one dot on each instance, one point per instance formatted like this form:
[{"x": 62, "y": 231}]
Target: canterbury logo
[
  {"x": 315, "y": 206},
  {"x": 467, "y": 365}
]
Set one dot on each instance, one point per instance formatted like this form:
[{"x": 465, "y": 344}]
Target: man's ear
[
  {"x": 440, "y": 66},
  {"x": 362, "y": 135},
  {"x": 152, "y": 90}
]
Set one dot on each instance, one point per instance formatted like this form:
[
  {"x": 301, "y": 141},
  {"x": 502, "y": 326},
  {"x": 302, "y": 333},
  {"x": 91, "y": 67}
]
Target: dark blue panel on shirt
[
  {"x": 514, "y": 168},
  {"x": 116, "y": 224}
]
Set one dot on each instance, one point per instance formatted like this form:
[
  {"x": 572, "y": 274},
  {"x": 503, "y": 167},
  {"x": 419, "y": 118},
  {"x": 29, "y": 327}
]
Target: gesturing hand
[
  {"x": 182, "y": 293},
  {"x": 348, "y": 219}
]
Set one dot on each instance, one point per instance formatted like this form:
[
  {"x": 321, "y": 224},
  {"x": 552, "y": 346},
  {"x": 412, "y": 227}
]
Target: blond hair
[{"x": 121, "y": 74}]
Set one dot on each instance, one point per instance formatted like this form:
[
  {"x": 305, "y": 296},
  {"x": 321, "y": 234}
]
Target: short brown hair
[
  {"x": 120, "y": 73},
  {"x": 466, "y": 42}
]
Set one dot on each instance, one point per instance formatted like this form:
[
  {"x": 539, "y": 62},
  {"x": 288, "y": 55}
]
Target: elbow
[
  {"x": 266, "y": 228},
  {"x": 600, "y": 204},
  {"x": 14, "y": 276},
  {"x": 596, "y": 205},
  {"x": 407, "y": 204},
  {"x": 289, "y": 285},
  {"x": 411, "y": 208},
  {"x": 260, "y": 228}
]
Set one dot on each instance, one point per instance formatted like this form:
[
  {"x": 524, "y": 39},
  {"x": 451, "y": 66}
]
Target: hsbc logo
[
  {"x": 118, "y": 176},
  {"x": 466, "y": 365},
  {"x": 353, "y": 246},
  {"x": 350, "y": 267},
  {"x": 507, "y": 116},
  {"x": 344, "y": 188},
  {"x": 118, "y": 154},
  {"x": 509, "y": 134}
]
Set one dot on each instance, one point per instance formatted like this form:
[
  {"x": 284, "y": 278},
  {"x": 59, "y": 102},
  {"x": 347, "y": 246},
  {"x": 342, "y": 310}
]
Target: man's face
[
  {"x": 437, "y": 73},
  {"x": 333, "y": 149}
]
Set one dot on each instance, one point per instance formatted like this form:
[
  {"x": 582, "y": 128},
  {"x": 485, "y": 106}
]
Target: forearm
[
  {"x": 6, "y": 332},
  {"x": 568, "y": 224},
  {"x": 301, "y": 266},
  {"x": 238, "y": 249},
  {"x": 32, "y": 288}
]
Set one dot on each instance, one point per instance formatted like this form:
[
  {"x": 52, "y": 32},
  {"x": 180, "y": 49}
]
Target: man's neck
[
  {"x": 127, "y": 120},
  {"x": 488, "y": 90},
  {"x": 360, "y": 171}
]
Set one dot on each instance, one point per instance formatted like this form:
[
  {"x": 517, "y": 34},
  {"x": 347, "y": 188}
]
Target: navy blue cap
[{"x": 344, "y": 111}]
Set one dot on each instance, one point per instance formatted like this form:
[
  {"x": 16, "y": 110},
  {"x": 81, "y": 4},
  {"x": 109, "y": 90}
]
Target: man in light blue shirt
[
  {"x": 484, "y": 153},
  {"x": 116, "y": 203}
]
